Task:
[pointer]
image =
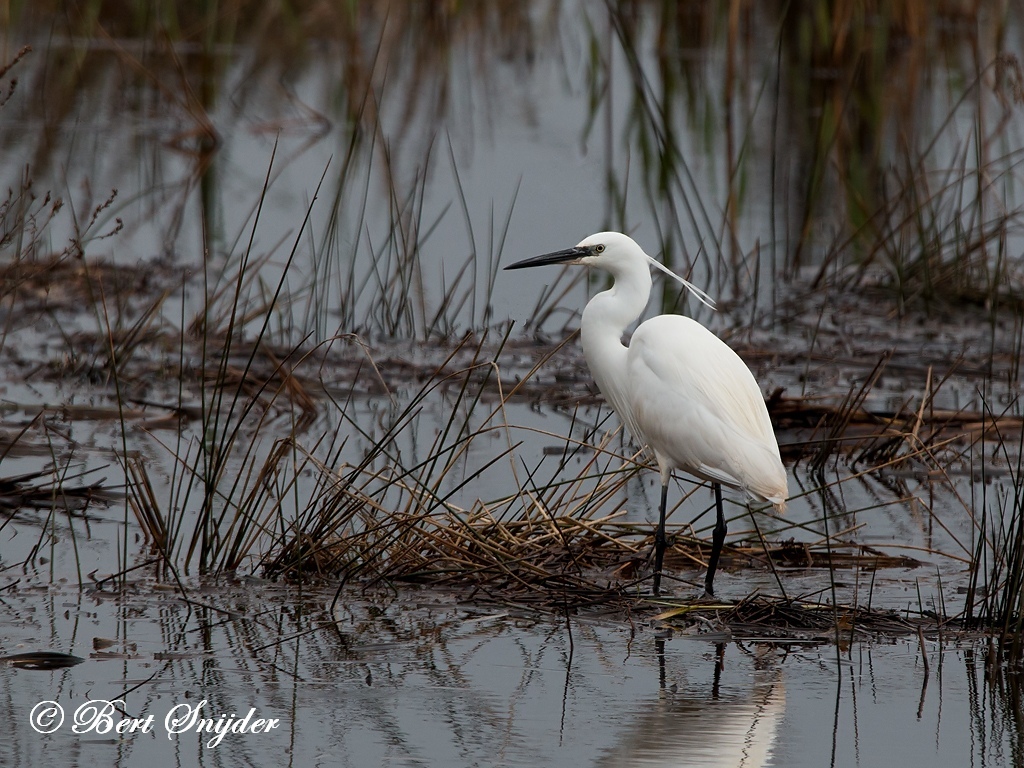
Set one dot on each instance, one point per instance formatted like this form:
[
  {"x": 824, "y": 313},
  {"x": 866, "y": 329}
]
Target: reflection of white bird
[
  {"x": 738, "y": 731},
  {"x": 679, "y": 388}
]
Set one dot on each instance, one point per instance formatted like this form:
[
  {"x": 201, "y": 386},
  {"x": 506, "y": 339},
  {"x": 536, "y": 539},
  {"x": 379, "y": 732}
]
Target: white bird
[{"x": 681, "y": 391}]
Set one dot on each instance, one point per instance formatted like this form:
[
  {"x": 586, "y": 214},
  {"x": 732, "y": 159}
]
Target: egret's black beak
[{"x": 558, "y": 257}]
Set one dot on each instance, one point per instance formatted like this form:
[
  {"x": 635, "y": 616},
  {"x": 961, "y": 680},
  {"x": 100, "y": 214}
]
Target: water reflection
[
  {"x": 422, "y": 680},
  {"x": 996, "y": 695},
  {"x": 742, "y": 140},
  {"x": 736, "y": 729}
]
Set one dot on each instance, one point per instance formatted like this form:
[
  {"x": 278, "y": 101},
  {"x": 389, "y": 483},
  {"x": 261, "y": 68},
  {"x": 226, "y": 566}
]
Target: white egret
[{"x": 681, "y": 391}]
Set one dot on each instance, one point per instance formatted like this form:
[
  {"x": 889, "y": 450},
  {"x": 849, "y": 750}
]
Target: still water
[{"x": 423, "y": 680}]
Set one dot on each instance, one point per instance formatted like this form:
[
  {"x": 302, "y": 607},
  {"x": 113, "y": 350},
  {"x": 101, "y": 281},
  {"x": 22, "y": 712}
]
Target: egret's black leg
[
  {"x": 660, "y": 542},
  {"x": 717, "y": 541}
]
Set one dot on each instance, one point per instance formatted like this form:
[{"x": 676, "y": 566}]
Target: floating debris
[
  {"x": 42, "y": 660},
  {"x": 767, "y": 619}
]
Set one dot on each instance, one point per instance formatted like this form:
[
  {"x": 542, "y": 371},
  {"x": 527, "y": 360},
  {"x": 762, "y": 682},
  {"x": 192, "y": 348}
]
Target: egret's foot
[{"x": 708, "y": 597}]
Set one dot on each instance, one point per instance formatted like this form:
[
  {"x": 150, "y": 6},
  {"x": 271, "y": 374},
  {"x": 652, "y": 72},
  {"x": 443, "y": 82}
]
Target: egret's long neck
[{"x": 605, "y": 318}]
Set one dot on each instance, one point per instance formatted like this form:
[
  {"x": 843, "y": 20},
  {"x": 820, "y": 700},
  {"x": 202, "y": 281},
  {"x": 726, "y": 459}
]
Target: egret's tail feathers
[
  {"x": 776, "y": 496},
  {"x": 774, "y": 493},
  {"x": 772, "y": 486},
  {"x": 778, "y": 502}
]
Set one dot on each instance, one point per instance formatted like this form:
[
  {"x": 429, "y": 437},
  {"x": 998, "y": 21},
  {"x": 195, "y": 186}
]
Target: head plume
[{"x": 698, "y": 294}]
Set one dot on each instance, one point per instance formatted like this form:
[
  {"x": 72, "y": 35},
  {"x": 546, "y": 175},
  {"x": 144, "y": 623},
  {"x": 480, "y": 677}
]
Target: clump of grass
[
  {"x": 236, "y": 395},
  {"x": 562, "y": 537},
  {"x": 401, "y": 525}
]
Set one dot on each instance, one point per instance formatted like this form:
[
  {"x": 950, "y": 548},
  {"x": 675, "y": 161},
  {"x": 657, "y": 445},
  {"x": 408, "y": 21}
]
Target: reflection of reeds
[
  {"x": 830, "y": 112},
  {"x": 839, "y": 100},
  {"x": 187, "y": 53},
  {"x": 995, "y": 595},
  {"x": 996, "y": 698}
]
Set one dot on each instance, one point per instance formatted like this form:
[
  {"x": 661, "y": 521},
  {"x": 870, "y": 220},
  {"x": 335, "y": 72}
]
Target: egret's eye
[{"x": 599, "y": 248}]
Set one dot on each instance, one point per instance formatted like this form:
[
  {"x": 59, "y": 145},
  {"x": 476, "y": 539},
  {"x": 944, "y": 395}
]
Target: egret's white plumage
[
  {"x": 701, "y": 409},
  {"x": 681, "y": 391}
]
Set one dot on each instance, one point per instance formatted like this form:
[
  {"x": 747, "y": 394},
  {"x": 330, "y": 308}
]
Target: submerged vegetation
[{"x": 338, "y": 397}]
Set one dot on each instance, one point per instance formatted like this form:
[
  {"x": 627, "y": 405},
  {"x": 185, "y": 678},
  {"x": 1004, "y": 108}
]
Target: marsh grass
[
  {"x": 386, "y": 520},
  {"x": 240, "y": 498}
]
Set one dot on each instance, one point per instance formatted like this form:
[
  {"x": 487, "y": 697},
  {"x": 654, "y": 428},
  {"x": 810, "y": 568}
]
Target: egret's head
[
  {"x": 612, "y": 251},
  {"x": 609, "y": 250}
]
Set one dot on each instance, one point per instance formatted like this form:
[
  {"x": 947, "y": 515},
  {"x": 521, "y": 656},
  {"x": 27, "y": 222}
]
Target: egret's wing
[
  {"x": 694, "y": 361},
  {"x": 696, "y": 402}
]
